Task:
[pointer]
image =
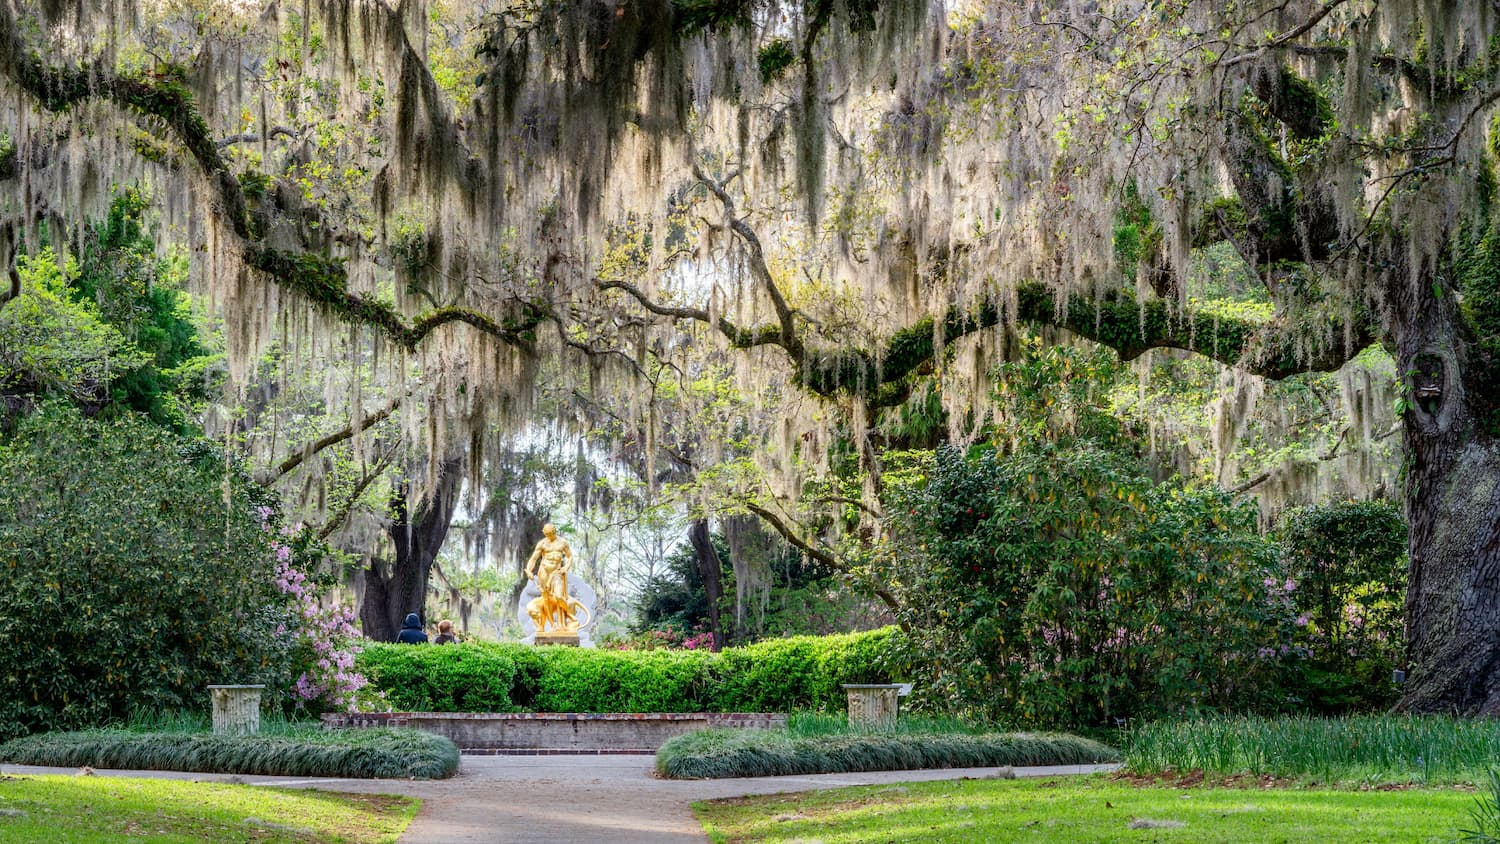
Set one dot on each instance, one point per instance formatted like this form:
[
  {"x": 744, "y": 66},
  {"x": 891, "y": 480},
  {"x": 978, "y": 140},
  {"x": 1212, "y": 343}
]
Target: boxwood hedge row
[{"x": 780, "y": 675}]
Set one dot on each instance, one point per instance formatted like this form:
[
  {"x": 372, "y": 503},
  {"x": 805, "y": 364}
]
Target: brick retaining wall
[{"x": 555, "y": 732}]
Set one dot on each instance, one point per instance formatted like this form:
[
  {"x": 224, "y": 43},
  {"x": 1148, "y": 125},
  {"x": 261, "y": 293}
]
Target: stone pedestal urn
[
  {"x": 872, "y": 703},
  {"x": 236, "y": 709}
]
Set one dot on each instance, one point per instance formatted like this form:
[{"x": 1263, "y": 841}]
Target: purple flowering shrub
[
  {"x": 322, "y": 628},
  {"x": 666, "y": 636}
]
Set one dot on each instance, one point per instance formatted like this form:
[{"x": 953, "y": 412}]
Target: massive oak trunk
[
  {"x": 398, "y": 586},
  {"x": 1453, "y": 503}
]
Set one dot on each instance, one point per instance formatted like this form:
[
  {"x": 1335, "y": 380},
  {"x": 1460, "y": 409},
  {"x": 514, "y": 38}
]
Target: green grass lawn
[
  {"x": 74, "y": 810},
  {"x": 1093, "y": 809}
]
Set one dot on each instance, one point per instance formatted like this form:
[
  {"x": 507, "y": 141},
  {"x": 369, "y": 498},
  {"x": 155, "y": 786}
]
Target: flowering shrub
[
  {"x": 701, "y": 641},
  {"x": 327, "y": 640},
  {"x": 667, "y": 636}
]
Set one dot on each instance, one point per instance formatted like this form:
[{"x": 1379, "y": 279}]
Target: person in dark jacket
[
  {"x": 445, "y": 633},
  {"x": 411, "y": 631}
]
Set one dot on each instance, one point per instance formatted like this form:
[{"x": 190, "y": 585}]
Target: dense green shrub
[
  {"x": 132, "y": 574},
  {"x": 766, "y": 753},
  {"x": 1060, "y": 585},
  {"x": 801, "y": 672},
  {"x": 780, "y": 675},
  {"x": 315, "y": 753},
  {"x": 588, "y": 680},
  {"x": 451, "y": 678},
  {"x": 1348, "y": 563}
]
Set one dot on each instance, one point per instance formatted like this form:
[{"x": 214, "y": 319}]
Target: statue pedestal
[{"x": 556, "y": 639}]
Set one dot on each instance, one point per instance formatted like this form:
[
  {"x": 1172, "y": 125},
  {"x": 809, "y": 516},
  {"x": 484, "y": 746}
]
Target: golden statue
[{"x": 548, "y": 566}]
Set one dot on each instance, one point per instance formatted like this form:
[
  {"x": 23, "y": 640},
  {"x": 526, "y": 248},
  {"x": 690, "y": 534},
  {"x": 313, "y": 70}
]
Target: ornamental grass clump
[
  {"x": 712, "y": 754},
  {"x": 1484, "y": 816},
  {"x": 356, "y": 753}
]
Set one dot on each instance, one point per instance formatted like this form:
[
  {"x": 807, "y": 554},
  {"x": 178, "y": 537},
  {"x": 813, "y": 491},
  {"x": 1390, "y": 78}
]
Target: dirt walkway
[{"x": 569, "y": 799}]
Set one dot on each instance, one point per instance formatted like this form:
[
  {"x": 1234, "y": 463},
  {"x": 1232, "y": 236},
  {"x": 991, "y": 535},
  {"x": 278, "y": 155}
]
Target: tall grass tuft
[
  {"x": 1484, "y": 816},
  {"x": 272, "y": 722},
  {"x": 1371, "y": 748},
  {"x": 711, "y": 754},
  {"x": 354, "y": 753}
]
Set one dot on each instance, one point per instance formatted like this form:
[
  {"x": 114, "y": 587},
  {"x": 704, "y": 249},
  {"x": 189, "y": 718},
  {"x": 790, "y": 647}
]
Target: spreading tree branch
[
  {"x": 321, "y": 279},
  {"x": 1285, "y": 38},
  {"x": 785, "y": 316},
  {"x": 796, "y": 541},
  {"x": 342, "y": 514},
  {"x": 740, "y": 338},
  {"x": 1275, "y": 349},
  {"x": 306, "y": 452}
]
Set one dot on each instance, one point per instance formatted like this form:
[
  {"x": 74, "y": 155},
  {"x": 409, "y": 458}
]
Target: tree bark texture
[
  {"x": 711, "y": 568},
  {"x": 398, "y": 586},
  {"x": 1453, "y": 505}
]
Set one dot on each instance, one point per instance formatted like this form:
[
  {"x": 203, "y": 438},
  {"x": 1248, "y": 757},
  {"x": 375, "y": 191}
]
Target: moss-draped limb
[
  {"x": 300, "y": 455},
  {"x": 1117, "y": 320},
  {"x": 1275, "y": 349},
  {"x": 321, "y": 279},
  {"x": 801, "y": 544},
  {"x": 1295, "y": 102},
  {"x": 165, "y": 97},
  {"x": 756, "y": 257},
  {"x": 1287, "y": 216},
  {"x": 324, "y": 281},
  {"x": 739, "y": 336}
]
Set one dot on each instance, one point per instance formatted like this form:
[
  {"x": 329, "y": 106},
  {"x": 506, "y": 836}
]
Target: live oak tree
[{"x": 833, "y": 202}]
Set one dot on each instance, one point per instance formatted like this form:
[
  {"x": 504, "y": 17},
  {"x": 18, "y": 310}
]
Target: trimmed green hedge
[
  {"x": 355, "y": 753},
  {"x": 451, "y": 678},
  {"x": 780, "y": 675},
  {"x": 711, "y": 754}
]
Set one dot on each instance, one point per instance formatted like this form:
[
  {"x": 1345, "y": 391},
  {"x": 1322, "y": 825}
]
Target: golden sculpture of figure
[{"x": 548, "y": 566}]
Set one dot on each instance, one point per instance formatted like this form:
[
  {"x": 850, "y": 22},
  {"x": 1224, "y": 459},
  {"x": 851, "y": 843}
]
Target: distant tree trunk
[
  {"x": 396, "y": 587},
  {"x": 1453, "y": 504},
  {"x": 711, "y": 569},
  {"x": 530, "y": 531}
]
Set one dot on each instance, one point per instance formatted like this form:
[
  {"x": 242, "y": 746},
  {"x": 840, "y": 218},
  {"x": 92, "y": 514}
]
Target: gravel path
[{"x": 569, "y": 799}]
